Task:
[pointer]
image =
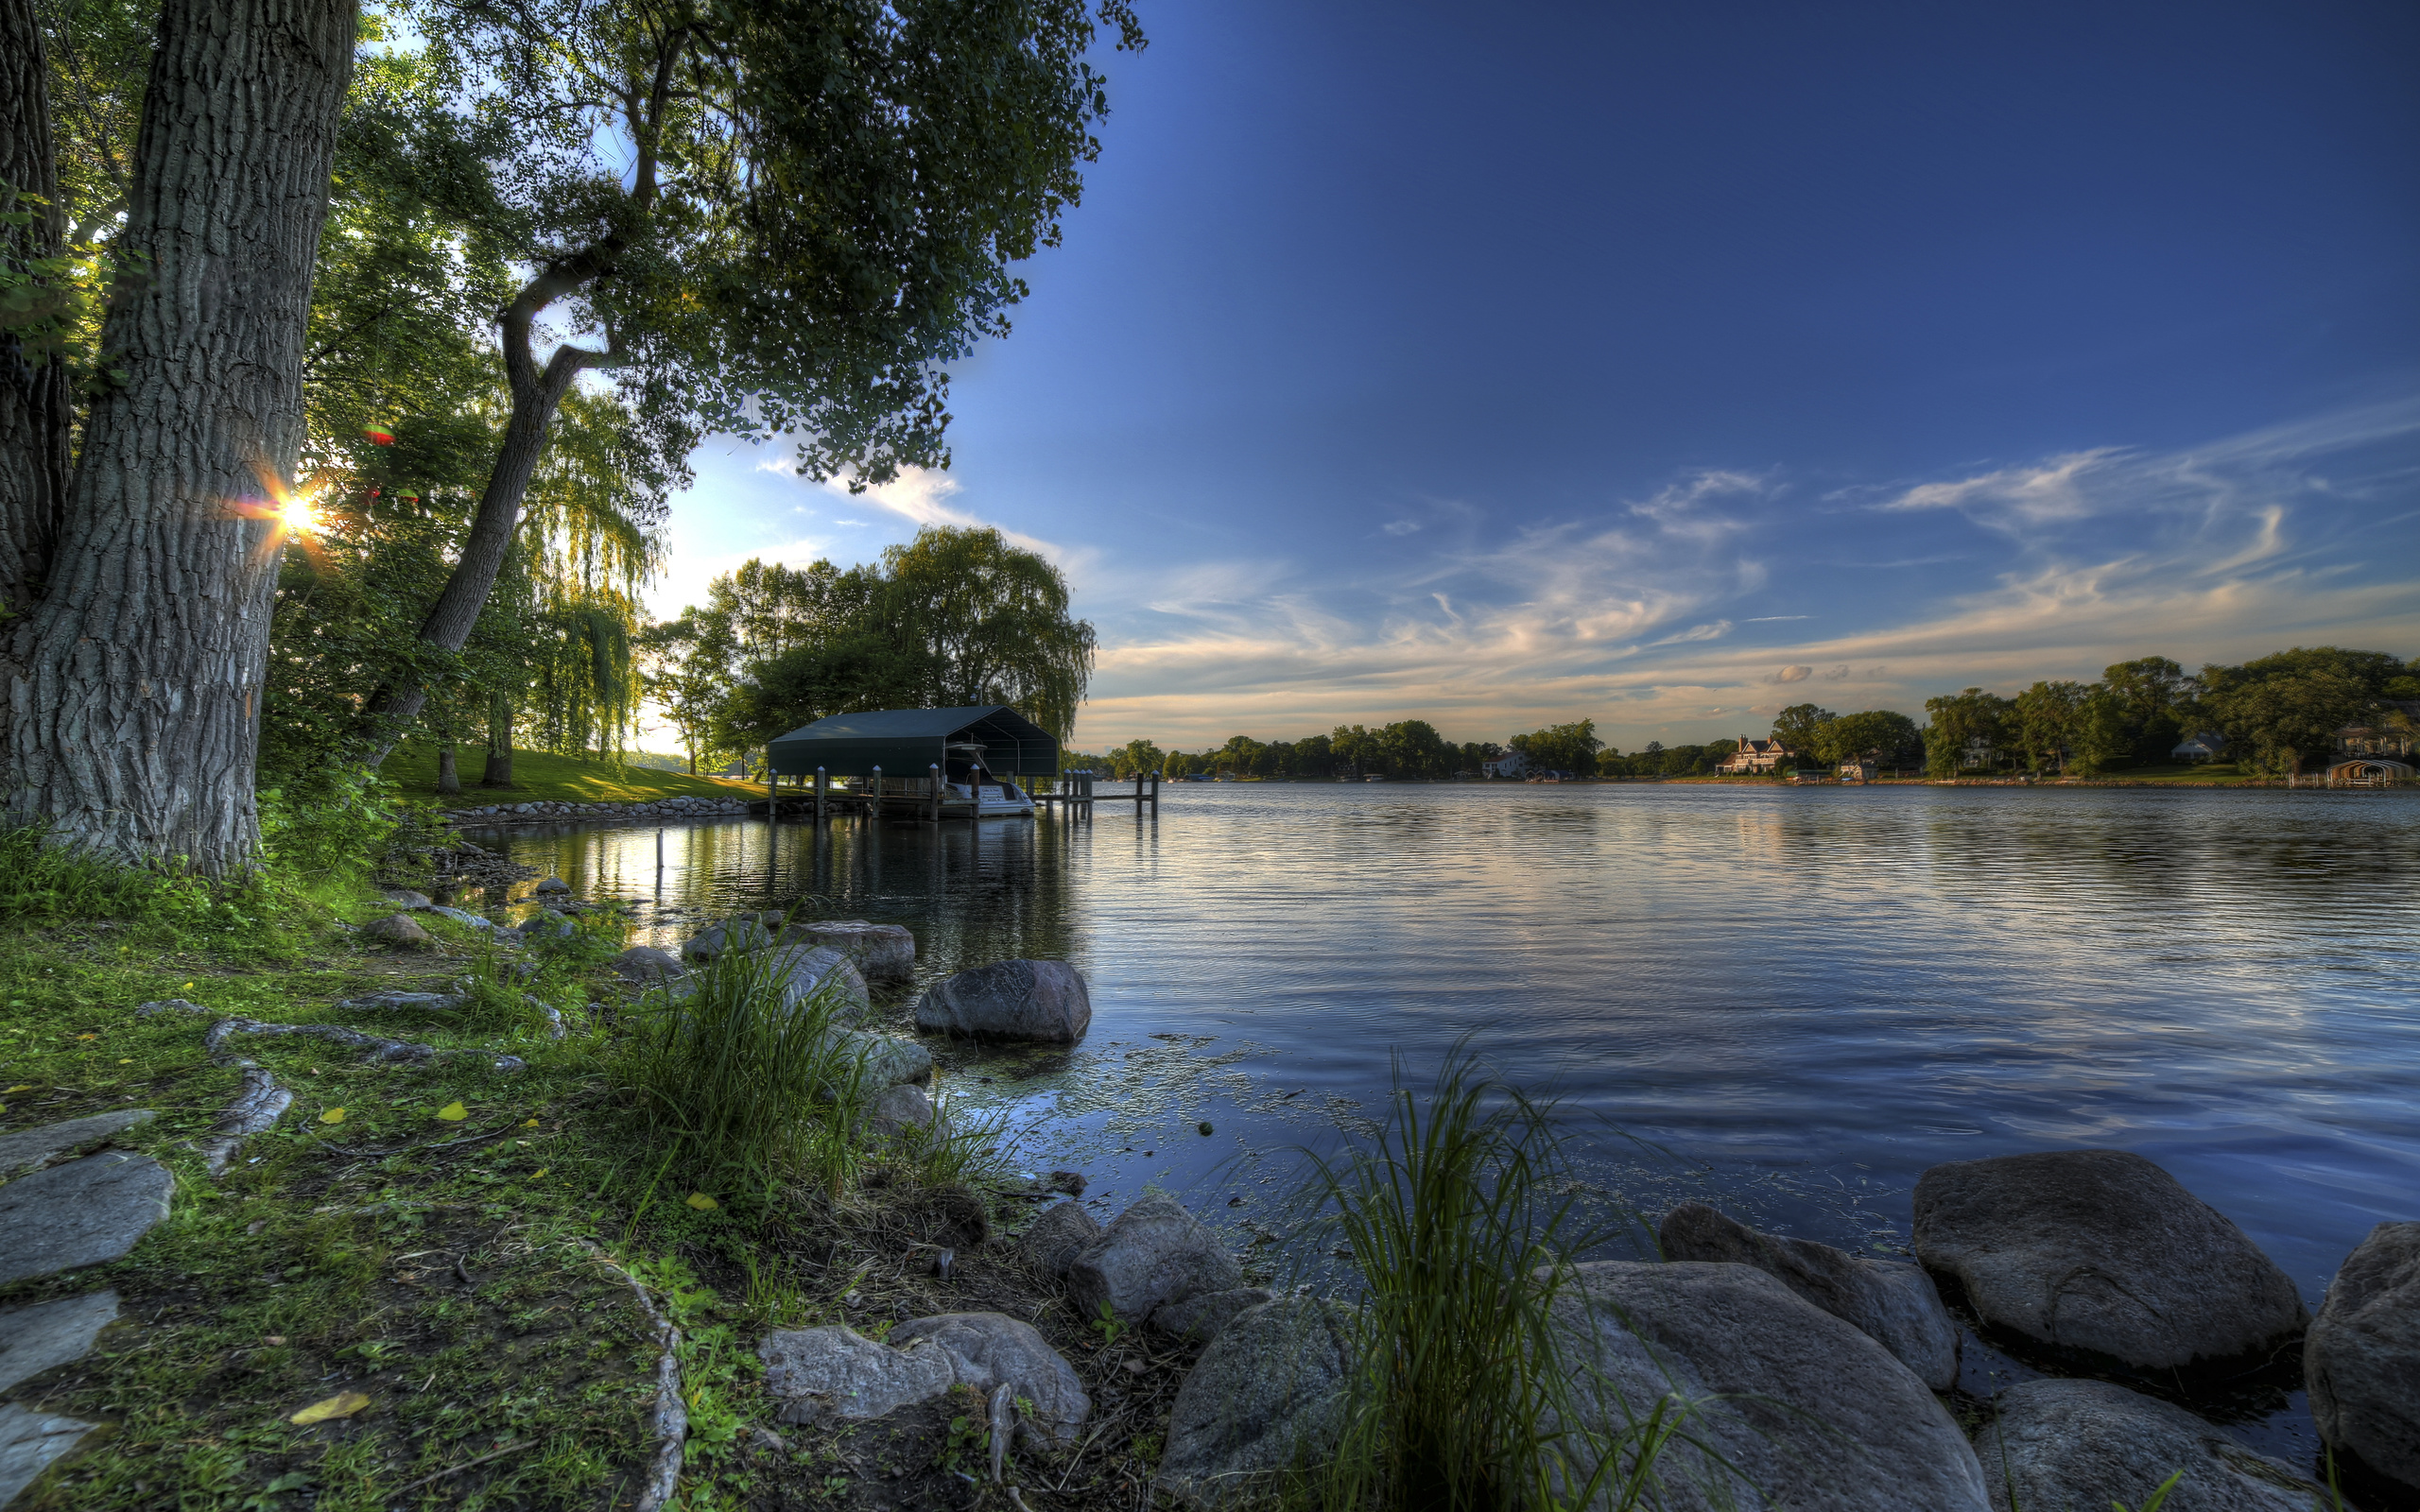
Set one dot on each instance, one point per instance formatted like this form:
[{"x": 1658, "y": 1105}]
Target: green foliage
[
  {"x": 40, "y": 881},
  {"x": 733, "y": 1084},
  {"x": 1460, "y": 1218},
  {"x": 1887, "y": 738},
  {"x": 544, "y": 777},
  {"x": 1105, "y": 1322},
  {"x": 1561, "y": 748},
  {"x": 1795, "y": 726},
  {"x": 2285, "y": 709},
  {"x": 1965, "y": 729}
]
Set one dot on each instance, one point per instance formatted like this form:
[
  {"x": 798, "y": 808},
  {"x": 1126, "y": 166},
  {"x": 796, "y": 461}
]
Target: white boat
[{"x": 989, "y": 798}]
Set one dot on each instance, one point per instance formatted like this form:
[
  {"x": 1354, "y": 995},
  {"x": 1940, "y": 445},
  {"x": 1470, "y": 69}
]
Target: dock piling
[
  {"x": 936, "y": 770},
  {"x": 820, "y": 784}
]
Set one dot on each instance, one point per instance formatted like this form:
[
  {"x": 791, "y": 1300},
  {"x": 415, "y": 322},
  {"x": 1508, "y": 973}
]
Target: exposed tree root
[
  {"x": 671, "y": 1422},
  {"x": 380, "y": 1049},
  {"x": 256, "y": 1109}
]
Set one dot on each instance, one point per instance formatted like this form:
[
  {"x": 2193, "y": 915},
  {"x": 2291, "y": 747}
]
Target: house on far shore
[
  {"x": 1857, "y": 769},
  {"x": 2205, "y": 747},
  {"x": 2392, "y": 730},
  {"x": 1511, "y": 763},
  {"x": 1756, "y": 756}
]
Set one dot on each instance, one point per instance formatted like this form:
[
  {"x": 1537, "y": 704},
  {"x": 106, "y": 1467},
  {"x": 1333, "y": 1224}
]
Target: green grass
[{"x": 538, "y": 777}]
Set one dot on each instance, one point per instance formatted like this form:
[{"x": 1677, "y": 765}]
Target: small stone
[
  {"x": 721, "y": 940},
  {"x": 646, "y": 964},
  {"x": 80, "y": 1213},
  {"x": 28, "y": 1442},
  {"x": 1071, "y": 1182},
  {"x": 1204, "y": 1128},
  {"x": 898, "y": 1109},
  {"x": 35, "y": 1147},
  {"x": 1155, "y": 1253},
  {"x": 35, "y": 1338},
  {"x": 1051, "y": 1243},
  {"x": 406, "y": 1002},
  {"x": 404, "y": 898},
  {"x": 552, "y": 884},
  {"x": 882, "y": 953},
  {"x": 990, "y": 1349},
  {"x": 1204, "y": 1317},
  {"x": 2056, "y": 1444},
  {"x": 397, "y": 929},
  {"x": 462, "y": 916}
]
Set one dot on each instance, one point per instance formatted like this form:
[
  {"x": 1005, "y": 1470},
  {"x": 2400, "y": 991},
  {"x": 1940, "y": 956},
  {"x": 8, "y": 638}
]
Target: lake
[{"x": 1787, "y": 1001}]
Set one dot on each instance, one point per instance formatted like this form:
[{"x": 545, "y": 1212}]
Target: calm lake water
[{"x": 1787, "y": 1001}]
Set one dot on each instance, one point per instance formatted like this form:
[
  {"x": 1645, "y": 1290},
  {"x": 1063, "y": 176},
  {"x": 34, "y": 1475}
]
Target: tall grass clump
[
  {"x": 732, "y": 1080},
  {"x": 1462, "y": 1218}
]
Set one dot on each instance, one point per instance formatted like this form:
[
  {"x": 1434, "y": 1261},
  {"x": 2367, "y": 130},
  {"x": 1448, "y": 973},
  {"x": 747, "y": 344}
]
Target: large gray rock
[
  {"x": 647, "y": 965},
  {"x": 548, "y": 924},
  {"x": 28, "y": 1442},
  {"x": 721, "y": 940},
  {"x": 836, "y": 1372},
  {"x": 805, "y": 970},
  {"x": 1206, "y": 1314},
  {"x": 81, "y": 1214},
  {"x": 36, "y": 1337},
  {"x": 2101, "y": 1251},
  {"x": 888, "y": 1062},
  {"x": 1155, "y": 1253},
  {"x": 1040, "y": 1001},
  {"x": 36, "y": 1147},
  {"x": 552, "y": 884},
  {"x": 2363, "y": 1359},
  {"x": 1269, "y": 1394},
  {"x": 1051, "y": 1243},
  {"x": 883, "y": 953},
  {"x": 987, "y": 1349},
  {"x": 2077, "y": 1446},
  {"x": 1813, "y": 1415},
  {"x": 462, "y": 916},
  {"x": 405, "y": 898},
  {"x": 1894, "y": 1305}
]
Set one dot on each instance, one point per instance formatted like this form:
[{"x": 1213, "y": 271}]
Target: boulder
[
  {"x": 805, "y": 971},
  {"x": 36, "y": 1337},
  {"x": 2363, "y": 1359},
  {"x": 1040, "y": 1001},
  {"x": 2103, "y": 1252},
  {"x": 397, "y": 929},
  {"x": 989, "y": 1349},
  {"x": 552, "y": 884},
  {"x": 646, "y": 965},
  {"x": 898, "y": 1109},
  {"x": 2053, "y": 1446},
  {"x": 1051, "y": 1243},
  {"x": 404, "y": 899},
  {"x": 80, "y": 1213},
  {"x": 1206, "y": 1315},
  {"x": 1896, "y": 1306},
  {"x": 1155, "y": 1253},
  {"x": 28, "y": 1442},
  {"x": 1269, "y": 1393},
  {"x": 883, "y": 953},
  {"x": 834, "y": 1371},
  {"x": 1814, "y": 1416},
  {"x": 721, "y": 940},
  {"x": 29, "y": 1147}
]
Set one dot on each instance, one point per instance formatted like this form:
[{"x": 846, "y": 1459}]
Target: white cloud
[
  {"x": 1792, "y": 674},
  {"x": 1700, "y": 632},
  {"x": 1400, "y": 527}
]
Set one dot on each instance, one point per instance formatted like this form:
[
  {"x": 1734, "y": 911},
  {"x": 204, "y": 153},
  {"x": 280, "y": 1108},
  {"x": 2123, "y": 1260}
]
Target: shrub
[{"x": 735, "y": 1082}]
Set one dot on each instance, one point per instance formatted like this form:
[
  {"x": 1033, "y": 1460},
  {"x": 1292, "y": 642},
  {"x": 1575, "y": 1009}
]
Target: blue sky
[{"x": 1666, "y": 365}]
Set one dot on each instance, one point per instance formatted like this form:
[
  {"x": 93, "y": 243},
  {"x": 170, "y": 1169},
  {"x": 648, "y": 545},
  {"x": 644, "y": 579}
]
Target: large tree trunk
[
  {"x": 498, "y": 772},
  {"x": 35, "y": 404},
  {"x": 134, "y": 684}
]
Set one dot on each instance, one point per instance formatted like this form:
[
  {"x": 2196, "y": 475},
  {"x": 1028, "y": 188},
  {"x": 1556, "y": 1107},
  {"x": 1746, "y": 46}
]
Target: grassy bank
[
  {"x": 446, "y": 1251},
  {"x": 538, "y": 777}
]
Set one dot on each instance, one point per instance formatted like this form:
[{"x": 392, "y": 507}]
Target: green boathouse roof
[{"x": 907, "y": 742}]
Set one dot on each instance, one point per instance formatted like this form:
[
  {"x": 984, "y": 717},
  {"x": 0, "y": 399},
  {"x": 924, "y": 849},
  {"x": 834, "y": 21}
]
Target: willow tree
[
  {"x": 133, "y": 653},
  {"x": 812, "y": 208}
]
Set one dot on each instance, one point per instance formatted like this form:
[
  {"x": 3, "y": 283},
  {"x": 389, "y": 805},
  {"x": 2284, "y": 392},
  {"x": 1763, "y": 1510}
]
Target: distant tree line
[{"x": 2275, "y": 713}]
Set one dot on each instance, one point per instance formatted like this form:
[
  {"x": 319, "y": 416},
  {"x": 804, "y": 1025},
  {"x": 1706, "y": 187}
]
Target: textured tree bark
[
  {"x": 498, "y": 772},
  {"x": 36, "y": 410},
  {"x": 134, "y": 685},
  {"x": 449, "y": 779}
]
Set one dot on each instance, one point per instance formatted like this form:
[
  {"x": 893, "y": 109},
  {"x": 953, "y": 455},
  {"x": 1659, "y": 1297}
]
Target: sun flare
[{"x": 301, "y": 515}]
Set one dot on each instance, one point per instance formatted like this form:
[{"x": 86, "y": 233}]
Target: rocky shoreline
[{"x": 1810, "y": 1376}]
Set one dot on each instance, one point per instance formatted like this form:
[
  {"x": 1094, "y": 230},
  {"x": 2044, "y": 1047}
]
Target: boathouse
[{"x": 906, "y": 743}]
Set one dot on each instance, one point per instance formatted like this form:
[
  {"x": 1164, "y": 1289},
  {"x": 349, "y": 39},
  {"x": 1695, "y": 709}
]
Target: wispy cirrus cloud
[{"x": 1631, "y": 614}]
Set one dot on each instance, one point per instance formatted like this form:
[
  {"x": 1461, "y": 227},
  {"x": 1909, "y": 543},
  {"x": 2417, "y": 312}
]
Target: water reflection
[{"x": 1805, "y": 996}]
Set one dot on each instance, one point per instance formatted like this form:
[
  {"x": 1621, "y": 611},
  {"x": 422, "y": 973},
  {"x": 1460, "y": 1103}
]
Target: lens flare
[{"x": 301, "y": 515}]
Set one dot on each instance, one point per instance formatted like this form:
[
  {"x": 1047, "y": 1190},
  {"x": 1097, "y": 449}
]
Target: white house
[
  {"x": 1756, "y": 756},
  {"x": 1511, "y": 763}
]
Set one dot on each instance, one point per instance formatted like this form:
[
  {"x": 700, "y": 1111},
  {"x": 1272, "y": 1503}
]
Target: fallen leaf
[
  {"x": 273, "y": 1339},
  {"x": 187, "y": 987},
  {"x": 126, "y": 1062},
  {"x": 703, "y": 1203},
  {"x": 88, "y": 1036},
  {"x": 540, "y": 1171},
  {"x": 344, "y": 1404},
  {"x": 333, "y": 1115},
  {"x": 20, "y": 1086},
  {"x": 454, "y": 1112},
  {"x": 529, "y": 1124}
]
